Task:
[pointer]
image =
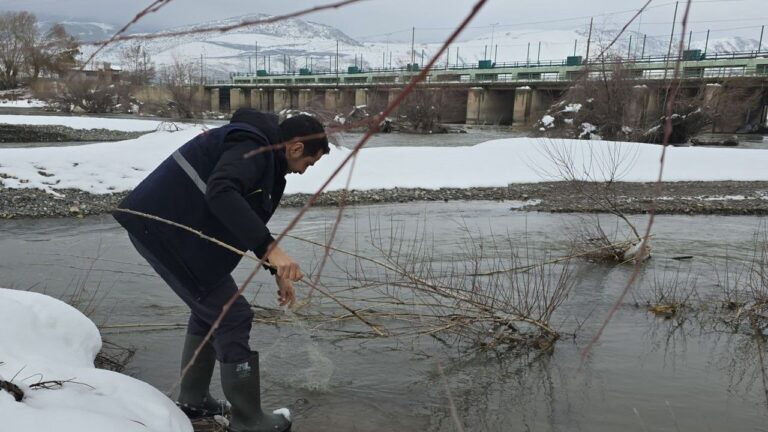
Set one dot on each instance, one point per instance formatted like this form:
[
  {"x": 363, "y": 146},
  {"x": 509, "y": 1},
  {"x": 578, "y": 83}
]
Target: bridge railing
[{"x": 513, "y": 65}]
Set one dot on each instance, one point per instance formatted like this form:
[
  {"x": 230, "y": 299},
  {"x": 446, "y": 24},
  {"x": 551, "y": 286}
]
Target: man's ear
[{"x": 297, "y": 148}]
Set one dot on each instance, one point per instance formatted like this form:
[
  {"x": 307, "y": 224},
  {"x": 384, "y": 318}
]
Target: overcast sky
[{"x": 371, "y": 19}]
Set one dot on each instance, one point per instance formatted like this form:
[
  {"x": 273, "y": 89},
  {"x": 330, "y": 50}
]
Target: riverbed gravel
[
  {"x": 701, "y": 198},
  {"x": 55, "y": 133}
]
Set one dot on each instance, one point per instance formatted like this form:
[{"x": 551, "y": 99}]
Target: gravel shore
[
  {"x": 721, "y": 198},
  {"x": 53, "y": 133}
]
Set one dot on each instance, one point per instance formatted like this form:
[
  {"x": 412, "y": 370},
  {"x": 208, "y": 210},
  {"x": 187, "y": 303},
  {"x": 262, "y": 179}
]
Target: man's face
[{"x": 297, "y": 161}]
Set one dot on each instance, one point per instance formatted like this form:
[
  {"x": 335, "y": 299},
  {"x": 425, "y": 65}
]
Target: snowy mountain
[
  {"x": 292, "y": 44},
  {"x": 223, "y": 53},
  {"x": 84, "y": 31}
]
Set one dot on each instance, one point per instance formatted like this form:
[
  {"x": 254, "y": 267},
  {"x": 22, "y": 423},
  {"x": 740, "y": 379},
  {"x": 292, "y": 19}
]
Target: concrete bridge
[{"x": 516, "y": 93}]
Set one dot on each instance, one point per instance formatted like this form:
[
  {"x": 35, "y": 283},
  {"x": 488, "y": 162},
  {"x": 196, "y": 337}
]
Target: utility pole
[
  {"x": 485, "y": 52},
  {"x": 528, "y": 54},
  {"x": 493, "y": 30},
  {"x": 457, "y": 56},
  {"x": 495, "y": 53},
  {"x": 760, "y": 44},
  {"x": 574, "y": 46},
  {"x": 589, "y": 39},
  {"x": 413, "y": 45},
  {"x": 337, "y": 61},
  {"x": 671, "y": 36},
  {"x": 201, "y": 69},
  {"x": 629, "y": 49},
  {"x": 249, "y": 65},
  {"x": 690, "y": 36},
  {"x": 706, "y": 43},
  {"x": 422, "y": 57},
  {"x": 642, "y": 53},
  {"x": 538, "y": 57},
  {"x": 447, "y": 57}
]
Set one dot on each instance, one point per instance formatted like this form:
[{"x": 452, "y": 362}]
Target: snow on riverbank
[
  {"x": 22, "y": 103},
  {"x": 119, "y": 166},
  {"x": 126, "y": 125},
  {"x": 44, "y": 339}
]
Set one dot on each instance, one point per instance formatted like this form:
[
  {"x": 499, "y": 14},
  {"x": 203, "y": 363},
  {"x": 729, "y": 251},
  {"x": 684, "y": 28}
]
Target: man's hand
[
  {"x": 286, "y": 267},
  {"x": 285, "y": 292}
]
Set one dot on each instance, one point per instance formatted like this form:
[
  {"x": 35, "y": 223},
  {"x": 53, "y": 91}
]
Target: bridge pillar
[
  {"x": 523, "y": 104},
  {"x": 331, "y": 100},
  {"x": 486, "y": 106},
  {"x": 258, "y": 100},
  {"x": 346, "y": 101},
  {"x": 711, "y": 94},
  {"x": 540, "y": 101},
  {"x": 361, "y": 97},
  {"x": 282, "y": 100},
  {"x": 637, "y": 108},
  {"x": 305, "y": 99},
  {"x": 474, "y": 96},
  {"x": 653, "y": 107},
  {"x": 711, "y": 91},
  {"x": 215, "y": 99},
  {"x": 203, "y": 97},
  {"x": 392, "y": 94},
  {"x": 237, "y": 99}
]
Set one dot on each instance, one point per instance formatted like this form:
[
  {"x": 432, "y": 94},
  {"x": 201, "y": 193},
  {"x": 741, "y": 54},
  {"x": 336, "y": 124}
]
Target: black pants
[{"x": 230, "y": 340}]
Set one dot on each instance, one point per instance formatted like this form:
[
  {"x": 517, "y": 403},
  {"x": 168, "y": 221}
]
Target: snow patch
[
  {"x": 22, "y": 103},
  {"x": 576, "y": 107},
  {"x": 587, "y": 129},
  {"x": 120, "y": 166},
  {"x": 50, "y": 340}
]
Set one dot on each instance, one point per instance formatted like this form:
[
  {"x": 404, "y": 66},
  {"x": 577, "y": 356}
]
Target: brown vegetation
[{"x": 24, "y": 53}]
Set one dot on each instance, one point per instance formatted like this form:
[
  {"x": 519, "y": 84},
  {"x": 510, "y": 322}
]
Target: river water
[{"x": 645, "y": 373}]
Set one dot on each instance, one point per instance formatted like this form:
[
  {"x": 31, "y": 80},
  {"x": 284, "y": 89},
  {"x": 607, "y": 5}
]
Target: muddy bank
[
  {"x": 722, "y": 198},
  {"x": 52, "y": 133}
]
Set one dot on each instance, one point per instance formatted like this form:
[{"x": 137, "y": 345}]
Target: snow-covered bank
[
  {"x": 126, "y": 125},
  {"x": 22, "y": 103},
  {"x": 44, "y": 339},
  {"x": 119, "y": 166}
]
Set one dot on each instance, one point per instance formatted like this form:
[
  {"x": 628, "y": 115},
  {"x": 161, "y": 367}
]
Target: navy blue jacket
[{"x": 241, "y": 196}]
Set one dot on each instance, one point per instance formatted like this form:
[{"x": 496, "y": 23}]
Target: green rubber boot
[
  {"x": 242, "y": 387},
  {"x": 195, "y": 399}
]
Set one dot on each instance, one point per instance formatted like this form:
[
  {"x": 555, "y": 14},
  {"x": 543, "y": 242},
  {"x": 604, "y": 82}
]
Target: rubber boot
[
  {"x": 242, "y": 387},
  {"x": 195, "y": 400}
]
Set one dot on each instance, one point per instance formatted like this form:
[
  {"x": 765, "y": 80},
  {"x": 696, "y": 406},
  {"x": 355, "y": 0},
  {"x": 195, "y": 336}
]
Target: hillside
[{"x": 292, "y": 44}]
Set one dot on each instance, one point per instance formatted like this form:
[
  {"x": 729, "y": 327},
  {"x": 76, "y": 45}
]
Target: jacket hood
[{"x": 267, "y": 123}]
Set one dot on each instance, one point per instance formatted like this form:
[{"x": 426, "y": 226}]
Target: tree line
[{"x": 26, "y": 53}]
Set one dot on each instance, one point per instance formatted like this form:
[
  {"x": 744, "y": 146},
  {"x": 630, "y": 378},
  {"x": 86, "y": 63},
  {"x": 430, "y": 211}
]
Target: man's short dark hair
[{"x": 305, "y": 125}]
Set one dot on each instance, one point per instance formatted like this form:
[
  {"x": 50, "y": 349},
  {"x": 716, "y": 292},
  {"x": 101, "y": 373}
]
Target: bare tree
[
  {"x": 591, "y": 172},
  {"x": 178, "y": 80},
  {"x": 89, "y": 95},
  {"x": 17, "y": 29},
  {"x": 138, "y": 68},
  {"x": 53, "y": 52}
]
